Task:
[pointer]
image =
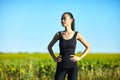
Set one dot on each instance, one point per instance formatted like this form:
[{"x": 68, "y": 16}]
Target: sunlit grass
[{"x": 40, "y": 66}]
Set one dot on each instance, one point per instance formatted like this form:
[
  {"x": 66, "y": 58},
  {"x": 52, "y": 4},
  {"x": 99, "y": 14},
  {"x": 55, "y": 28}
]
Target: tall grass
[{"x": 41, "y": 67}]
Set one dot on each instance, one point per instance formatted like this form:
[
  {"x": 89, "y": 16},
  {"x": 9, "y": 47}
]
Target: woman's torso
[{"x": 67, "y": 48}]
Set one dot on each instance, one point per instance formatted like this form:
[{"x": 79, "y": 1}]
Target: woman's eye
[{"x": 63, "y": 18}]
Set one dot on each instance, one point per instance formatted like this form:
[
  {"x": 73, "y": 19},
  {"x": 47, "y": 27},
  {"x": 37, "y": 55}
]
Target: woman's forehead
[{"x": 65, "y": 15}]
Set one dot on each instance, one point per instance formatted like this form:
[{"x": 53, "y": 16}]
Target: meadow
[{"x": 40, "y": 66}]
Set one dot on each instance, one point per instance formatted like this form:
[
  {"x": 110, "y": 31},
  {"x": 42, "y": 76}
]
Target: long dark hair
[{"x": 71, "y": 16}]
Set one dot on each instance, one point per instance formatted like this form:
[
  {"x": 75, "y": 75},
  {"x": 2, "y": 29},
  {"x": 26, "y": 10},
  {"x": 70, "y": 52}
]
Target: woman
[{"x": 67, "y": 61}]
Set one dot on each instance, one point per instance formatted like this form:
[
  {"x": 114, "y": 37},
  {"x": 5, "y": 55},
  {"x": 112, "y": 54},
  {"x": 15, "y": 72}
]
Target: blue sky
[{"x": 29, "y": 25}]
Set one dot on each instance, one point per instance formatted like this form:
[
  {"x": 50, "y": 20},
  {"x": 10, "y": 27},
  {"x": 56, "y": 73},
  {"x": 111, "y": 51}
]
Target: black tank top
[{"x": 67, "y": 48}]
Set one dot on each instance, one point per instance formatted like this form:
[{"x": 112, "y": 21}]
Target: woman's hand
[
  {"x": 74, "y": 58},
  {"x": 58, "y": 59}
]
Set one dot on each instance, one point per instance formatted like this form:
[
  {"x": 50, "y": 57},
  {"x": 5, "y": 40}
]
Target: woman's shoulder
[
  {"x": 77, "y": 32},
  {"x": 79, "y": 36},
  {"x": 58, "y": 33}
]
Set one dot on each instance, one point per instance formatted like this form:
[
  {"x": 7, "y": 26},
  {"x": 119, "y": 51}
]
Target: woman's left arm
[{"x": 87, "y": 48}]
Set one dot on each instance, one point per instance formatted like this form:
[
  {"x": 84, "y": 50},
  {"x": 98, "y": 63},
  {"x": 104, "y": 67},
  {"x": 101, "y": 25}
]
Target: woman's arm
[
  {"x": 87, "y": 48},
  {"x": 85, "y": 43},
  {"x": 54, "y": 40}
]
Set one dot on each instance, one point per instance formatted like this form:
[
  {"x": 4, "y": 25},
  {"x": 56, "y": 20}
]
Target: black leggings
[{"x": 61, "y": 73}]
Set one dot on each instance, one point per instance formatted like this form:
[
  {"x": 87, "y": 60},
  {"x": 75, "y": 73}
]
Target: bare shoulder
[{"x": 79, "y": 36}]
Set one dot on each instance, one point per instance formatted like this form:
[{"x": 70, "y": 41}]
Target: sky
[{"x": 29, "y": 25}]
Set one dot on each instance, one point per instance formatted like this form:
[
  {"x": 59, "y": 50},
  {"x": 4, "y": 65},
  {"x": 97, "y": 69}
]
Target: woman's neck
[{"x": 68, "y": 29}]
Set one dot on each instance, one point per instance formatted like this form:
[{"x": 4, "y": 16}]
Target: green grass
[
  {"x": 47, "y": 56},
  {"x": 40, "y": 66},
  {"x": 19, "y": 56}
]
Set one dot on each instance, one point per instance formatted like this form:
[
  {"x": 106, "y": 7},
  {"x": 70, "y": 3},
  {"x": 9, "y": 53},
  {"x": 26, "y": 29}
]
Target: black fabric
[
  {"x": 61, "y": 73},
  {"x": 67, "y": 48}
]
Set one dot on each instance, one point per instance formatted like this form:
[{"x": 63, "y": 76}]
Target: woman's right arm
[{"x": 54, "y": 40}]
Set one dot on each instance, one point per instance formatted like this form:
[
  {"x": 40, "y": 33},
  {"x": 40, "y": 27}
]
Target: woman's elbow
[
  {"x": 89, "y": 47},
  {"x": 49, "y": 48}
]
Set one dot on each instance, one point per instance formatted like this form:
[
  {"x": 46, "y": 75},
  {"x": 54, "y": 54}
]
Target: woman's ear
[{"x": 71, "y": 20}]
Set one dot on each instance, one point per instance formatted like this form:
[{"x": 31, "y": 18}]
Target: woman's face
[{"x": 66, "y": 20}]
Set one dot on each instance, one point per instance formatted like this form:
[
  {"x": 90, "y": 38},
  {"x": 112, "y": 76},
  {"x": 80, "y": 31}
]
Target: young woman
[{"x": 67, "y": 61}]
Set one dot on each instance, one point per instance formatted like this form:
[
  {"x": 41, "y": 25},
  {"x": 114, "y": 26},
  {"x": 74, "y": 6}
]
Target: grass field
[{"x": 38, "y": 66}]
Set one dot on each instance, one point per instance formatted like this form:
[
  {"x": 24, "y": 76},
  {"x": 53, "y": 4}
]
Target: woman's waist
[
  {"x": 66, "y": 54},
  {"x": 66, "y": 58}
]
